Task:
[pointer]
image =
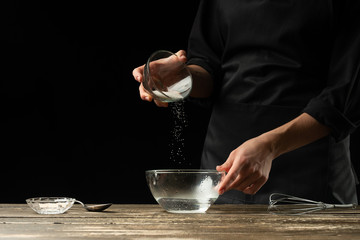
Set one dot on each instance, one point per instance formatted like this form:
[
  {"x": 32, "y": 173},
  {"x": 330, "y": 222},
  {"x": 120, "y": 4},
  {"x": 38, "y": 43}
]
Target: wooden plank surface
[{"x": 18, "y": 221}]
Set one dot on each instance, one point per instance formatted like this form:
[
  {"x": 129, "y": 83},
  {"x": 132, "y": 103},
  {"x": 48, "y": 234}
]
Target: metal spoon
[{"x": 95, "y": 208}]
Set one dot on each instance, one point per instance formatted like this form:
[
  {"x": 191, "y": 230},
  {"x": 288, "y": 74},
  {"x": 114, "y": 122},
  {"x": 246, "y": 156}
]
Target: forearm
[
  {"x": 294, "y": 134},
  {"x": 202, "y": 82}
]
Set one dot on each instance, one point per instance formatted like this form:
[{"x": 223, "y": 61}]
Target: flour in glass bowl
[{"x": 175, "y": 92}]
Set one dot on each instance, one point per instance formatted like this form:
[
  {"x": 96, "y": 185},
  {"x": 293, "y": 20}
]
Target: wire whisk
[{"x": 290, "y": 205}]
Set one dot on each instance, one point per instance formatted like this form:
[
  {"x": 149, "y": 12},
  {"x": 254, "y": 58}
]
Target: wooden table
[{"x": 18, "y": 221}]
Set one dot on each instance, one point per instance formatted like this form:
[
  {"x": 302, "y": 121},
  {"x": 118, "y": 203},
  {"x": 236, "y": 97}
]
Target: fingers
[
  {"x": 246, "y": 181},
  {"x": 143, "y": 94},
  {"x": 244, "y": 174},
  {"x": 181, "y": 55},
  {"x": 147, "y": 97},
  {"x": 138, "y": 73},
  {"x": 249, "y": 185},
  {"x": 230, "y": 177},
  {"x": 138, "y": 76},
  {"x": 226, "y": 182},
  {"x": 255, "y": 187},
  {"x": 224, "y": 168}
]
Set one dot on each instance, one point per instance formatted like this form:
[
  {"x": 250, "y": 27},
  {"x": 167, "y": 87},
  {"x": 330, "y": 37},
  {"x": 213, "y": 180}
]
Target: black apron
[
  {"x": 271, "y": 61},
  {"x": 319, "y": 171}
]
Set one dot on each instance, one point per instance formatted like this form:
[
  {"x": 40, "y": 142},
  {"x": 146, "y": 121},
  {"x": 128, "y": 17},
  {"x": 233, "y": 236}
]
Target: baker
[{"x": 282, "y": 78}]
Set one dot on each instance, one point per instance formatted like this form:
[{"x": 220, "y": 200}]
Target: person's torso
[{"x": 274, "y": 52}]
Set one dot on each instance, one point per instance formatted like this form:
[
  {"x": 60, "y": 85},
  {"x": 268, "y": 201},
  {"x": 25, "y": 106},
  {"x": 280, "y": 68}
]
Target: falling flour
[{"x": 177, "y": 141}]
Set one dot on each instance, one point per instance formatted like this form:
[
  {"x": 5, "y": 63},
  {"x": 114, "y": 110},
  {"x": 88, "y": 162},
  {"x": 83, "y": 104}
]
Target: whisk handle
[{"x": 353, "y": 205}]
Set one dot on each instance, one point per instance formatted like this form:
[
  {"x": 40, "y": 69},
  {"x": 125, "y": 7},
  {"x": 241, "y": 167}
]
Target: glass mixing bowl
[
  {"x": 50, "y": 205},
  {"x": 167, "y": 78},
  {"x": 184, "y": 191}
]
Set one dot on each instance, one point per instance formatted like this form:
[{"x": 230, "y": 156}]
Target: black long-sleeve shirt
[
  {"x": 302, "y": 53},
  {"x": 272, "y": 60}
]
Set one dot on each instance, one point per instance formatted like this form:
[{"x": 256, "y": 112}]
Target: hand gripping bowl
[
  {"x": 184, "y": 191},
  {"x": 166, "y": 77}
]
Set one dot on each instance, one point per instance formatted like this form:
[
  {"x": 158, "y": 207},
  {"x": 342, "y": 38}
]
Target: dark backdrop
[{"x": 73, "y": 122}]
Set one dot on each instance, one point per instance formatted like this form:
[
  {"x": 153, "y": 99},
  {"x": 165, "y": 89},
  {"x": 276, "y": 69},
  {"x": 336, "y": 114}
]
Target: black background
[{"x": 73, "y": 123}]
